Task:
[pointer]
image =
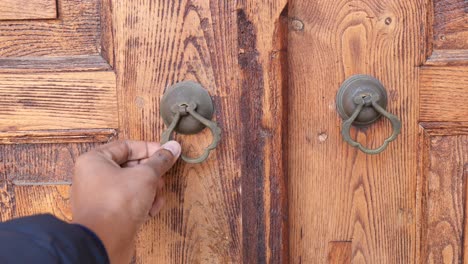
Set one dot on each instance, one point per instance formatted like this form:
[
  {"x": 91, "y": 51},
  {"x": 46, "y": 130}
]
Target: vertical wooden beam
[
  {"x": 465, "y": 201},
  {"x": 262, "y": 38},
  {"x": 107, "y": 32}
]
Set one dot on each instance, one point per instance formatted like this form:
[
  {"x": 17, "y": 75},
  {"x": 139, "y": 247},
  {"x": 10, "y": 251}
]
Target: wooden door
[
  {"x": 78, "y": 73},
  {"x": 407, "y": 204}
]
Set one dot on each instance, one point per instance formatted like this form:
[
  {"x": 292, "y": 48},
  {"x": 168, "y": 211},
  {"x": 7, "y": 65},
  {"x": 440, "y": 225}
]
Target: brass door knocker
[
  {"x": 187, "y": 108},
  {"x": 361, "y": 101}
]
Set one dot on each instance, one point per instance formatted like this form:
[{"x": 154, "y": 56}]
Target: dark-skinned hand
[{"x": 116, "y": 188}]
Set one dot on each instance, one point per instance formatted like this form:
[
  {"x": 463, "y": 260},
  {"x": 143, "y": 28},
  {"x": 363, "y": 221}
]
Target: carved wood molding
[{"x": 442, "y": 192}]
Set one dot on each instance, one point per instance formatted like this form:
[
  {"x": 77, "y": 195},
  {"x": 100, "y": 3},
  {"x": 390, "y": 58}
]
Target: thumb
[{"x": 164, "y": 158}]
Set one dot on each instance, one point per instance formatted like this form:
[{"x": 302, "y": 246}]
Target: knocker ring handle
[
  {"x": 345, "y": 131},
  {"x": 361, "y": 101},
  {"x": 189, "y": 109}
]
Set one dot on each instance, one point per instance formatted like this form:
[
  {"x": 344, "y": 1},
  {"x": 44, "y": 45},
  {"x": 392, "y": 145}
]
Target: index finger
[{"x": 127, "y": 150}]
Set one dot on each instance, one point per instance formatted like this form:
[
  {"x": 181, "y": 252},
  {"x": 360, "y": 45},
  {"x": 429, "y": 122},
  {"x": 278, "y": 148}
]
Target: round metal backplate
[
  {"x": 185, "y": 93},
  {"x": 360, "y": 85}
]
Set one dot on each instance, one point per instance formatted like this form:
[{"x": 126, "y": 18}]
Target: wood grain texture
[
  {"x": 30, "y": 200},
  {"x": 157, "y": 44},
  {"x": 450, "y": 24},
  {"x": 107, "y": 32},
  {"x": 57, "y": 136},
  {"x": 447, "y": 58},
  {"x": 444, "y": 94},
  {"x": 336, "y": 192},
  {"x": 27, "y": 9},
  {"x": 40, "y": 163},
  {"x": 77, "y": 31},
  {"x": 262, "y": 56},
  {"x": 210, "y": 209},
  {"x": 58, "y": 101},
  {"x": 340, "y": 252},
  {"x": 54, "y": 64},
  {"x": 444, "y": 128},
  {"x": 18, "y": 201},
  {"x": 444, "y": 199}
]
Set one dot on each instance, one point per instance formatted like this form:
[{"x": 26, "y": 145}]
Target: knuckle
[{"x": 125, "y": 144}]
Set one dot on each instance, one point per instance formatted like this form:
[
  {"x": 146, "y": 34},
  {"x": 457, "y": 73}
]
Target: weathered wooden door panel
[
  {"x": 407, "y": 204},
  {"x": 230, "y": 209},
  {"x": 444, "y": 135},
  {"x": 443, "y": 185},
  {"x": 25, "y": 9},
  {"x": 58, "y": 98}
]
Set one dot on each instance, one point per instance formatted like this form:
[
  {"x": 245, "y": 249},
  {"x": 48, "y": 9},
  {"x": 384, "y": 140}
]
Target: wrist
[{"x": 115, "y": 233}]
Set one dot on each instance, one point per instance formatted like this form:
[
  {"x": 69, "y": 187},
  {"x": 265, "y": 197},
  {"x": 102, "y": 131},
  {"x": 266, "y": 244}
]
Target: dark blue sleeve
[{"x": 46, "y": 239}]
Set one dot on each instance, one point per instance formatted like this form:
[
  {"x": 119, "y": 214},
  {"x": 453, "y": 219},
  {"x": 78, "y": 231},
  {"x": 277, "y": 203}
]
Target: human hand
[{"x": 115, "y": 190}]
